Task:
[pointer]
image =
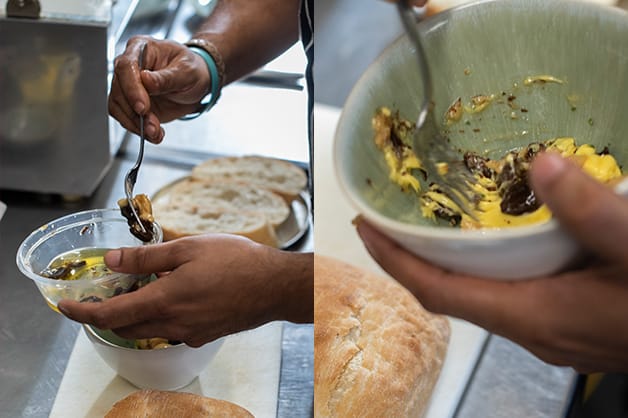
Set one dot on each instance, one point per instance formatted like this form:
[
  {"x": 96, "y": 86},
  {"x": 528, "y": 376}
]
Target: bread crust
[
  {"x": 200, "y": 206},
  {"x": 231, "y": 195},
  {"x": 182, "y": 221},
  {"x": 166, "y": 404},
  {"x": 378, "y": 353},
  {"x": 282, "y": 177},
  {"x": 226, "y": 196}
]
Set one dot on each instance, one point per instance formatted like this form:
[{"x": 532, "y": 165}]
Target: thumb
[
  {"x": 589, "y": 210},
  {"x": 153, "y": 258},
  {"x": 183, "y": 87}
]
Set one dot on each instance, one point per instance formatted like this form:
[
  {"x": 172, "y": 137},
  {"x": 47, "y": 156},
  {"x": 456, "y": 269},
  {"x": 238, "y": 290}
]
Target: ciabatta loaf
[
  {"x": 378, "y": 353},
  {"x": 183, "y": 219},
  {"x": 164, "y": 404},
  {"x": 221, "y": 196},
  {"x": 280, "y": 176}
]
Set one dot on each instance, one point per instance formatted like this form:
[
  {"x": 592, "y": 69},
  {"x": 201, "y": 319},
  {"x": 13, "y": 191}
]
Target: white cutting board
[
  {"x": 336, "y": 237},
  {"x": 245, "y": 371}
]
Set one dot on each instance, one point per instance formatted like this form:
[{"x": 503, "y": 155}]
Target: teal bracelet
[{"x": 214, "y": 94}]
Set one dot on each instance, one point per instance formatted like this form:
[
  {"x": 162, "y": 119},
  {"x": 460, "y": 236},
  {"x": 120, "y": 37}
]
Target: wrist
[
  {"x": 215, "y": 67},
  {"x": 295, "y": 287}
]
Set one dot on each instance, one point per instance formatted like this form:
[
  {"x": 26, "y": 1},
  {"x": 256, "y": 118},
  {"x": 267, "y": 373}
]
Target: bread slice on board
[
  {"x": 226, "y": 197},
  {"x": 378, "y": 353},
  {"x": 280, "y": 176},
  {"x": 164, "y": 404}
]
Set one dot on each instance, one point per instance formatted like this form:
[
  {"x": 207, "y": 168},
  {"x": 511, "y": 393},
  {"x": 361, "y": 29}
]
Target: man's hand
[
  {"x": 572, "y": 318},
  {"x": 172, "y": 84},
  {"x": 212, "y": 286}
]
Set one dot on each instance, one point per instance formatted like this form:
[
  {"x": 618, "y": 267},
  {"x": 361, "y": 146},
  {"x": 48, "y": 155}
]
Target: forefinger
[
  {"x": 118, "y": 312},
  {"x": 127, "y": 74}
]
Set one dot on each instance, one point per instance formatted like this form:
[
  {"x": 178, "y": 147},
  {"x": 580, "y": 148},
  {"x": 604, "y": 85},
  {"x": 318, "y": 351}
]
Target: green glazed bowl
[{"x": 491, "y": 47}]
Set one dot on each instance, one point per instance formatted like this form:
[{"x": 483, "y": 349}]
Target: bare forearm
[
  {"x": 295, "y": 291},
  {"x": 248, "y": 33}
]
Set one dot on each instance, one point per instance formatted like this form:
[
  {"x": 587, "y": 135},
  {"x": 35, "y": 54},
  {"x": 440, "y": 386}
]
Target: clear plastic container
[{"x": 93, "y": 229}]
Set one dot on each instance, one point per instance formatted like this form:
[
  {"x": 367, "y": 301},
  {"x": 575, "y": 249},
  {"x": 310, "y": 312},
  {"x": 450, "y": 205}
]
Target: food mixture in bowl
[
  {"x": 505, "y": 197},
  {"x": 154, "y": 343}
]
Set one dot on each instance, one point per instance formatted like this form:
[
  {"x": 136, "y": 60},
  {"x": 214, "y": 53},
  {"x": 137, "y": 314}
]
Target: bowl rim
[
  {"x": 89, "y": 331},
  {"x": 103, "y": 214},
  {"x": 443, "y": 232}
]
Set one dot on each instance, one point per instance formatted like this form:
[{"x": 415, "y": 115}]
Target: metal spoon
[
  {"x": 429, "y": 143},
  {"x": 131, "y": 176}
]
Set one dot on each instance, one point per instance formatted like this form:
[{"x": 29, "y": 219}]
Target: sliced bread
[
  {"x": 280, "y": 176},
  {"x": 180, "y": 219},
  {"x": 221, "y": 196},
  {"x": 200, "y": 206}
]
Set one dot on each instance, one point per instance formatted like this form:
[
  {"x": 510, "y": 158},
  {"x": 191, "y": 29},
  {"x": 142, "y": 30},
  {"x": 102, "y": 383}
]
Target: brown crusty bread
[
  {"x": 179, "y": 220},
  {"x": 378, "y": 353},
  {"x": 227, "y": 197},
  {"x": 166, "y": 404},
  {"x": 282, "y": 177},
  {"x": 200, "y": 206}
]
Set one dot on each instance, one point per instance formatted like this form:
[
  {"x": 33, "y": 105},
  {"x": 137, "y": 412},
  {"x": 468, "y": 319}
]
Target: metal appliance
[{"x": 55, "y": 65}]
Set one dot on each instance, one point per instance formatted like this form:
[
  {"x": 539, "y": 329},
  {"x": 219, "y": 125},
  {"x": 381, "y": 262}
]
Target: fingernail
[
  {"x": 363, "y": 229},
  {"x": 63, "y": 310},
  {"x": 365, "y": 234},
  {"x": 157, "y": 138},
  {"x": 139, "y": 107},
  {"x": 554, "y": 166},
  {"x": 113, "y": 258},
  {"x": 151, "y": 130},
  {"x": 357, "y": 220}
]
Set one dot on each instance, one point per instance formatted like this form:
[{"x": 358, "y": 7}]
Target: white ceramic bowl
[
  {"x": 487, "y": 47},
  {"x": 168, "y": 368}
]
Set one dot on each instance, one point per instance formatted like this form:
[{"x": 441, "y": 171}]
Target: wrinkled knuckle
[
  {"x": 99, "y": 320},
  {"x": 121, "y": 62},
  {"x": 162, "y": 308},
  {"x": 137, "y": 39},
  {"x": 181, "y": 249},
  {"x": 140, "y": 257}
]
